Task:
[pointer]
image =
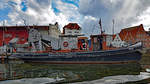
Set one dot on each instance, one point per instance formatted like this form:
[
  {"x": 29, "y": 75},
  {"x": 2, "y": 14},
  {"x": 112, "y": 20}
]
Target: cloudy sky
[{"x": 86, "y": 13}]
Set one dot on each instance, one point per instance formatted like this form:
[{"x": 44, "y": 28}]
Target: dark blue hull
[{"x": 95, "y": 57}]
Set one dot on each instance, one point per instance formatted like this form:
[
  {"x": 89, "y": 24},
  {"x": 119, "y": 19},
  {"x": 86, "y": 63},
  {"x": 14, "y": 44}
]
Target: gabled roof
[
  {"x": 115, "y": 36},
  {"x": 131, "y": 31},
  {"x": 72, "y": 26}
]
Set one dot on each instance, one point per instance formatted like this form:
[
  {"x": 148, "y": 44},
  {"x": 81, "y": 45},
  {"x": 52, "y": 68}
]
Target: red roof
[
  {"x": 72, "y": 26},
  {"x": 130, "y": 32}
]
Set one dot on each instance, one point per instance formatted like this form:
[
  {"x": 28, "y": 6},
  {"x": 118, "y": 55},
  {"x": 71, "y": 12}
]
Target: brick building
[
  {"x": 10, "y": 33},
  {"x": 19, "y": 36},
  {"x": 135, "y": 34},
  {"x": 126, "y": 37}
]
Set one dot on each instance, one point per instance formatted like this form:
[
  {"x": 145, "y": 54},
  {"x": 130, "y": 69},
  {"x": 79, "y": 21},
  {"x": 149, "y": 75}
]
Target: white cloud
[
  {"x": 90, "y": 25},
  {"x": 69, "y": 10},
  {"x": 127, "y": 11},
  {"x": 90, "y": 17},
  {"x": 41, "y": 13},
  {"x": 1, "y": 23},
  {"x": 144, "y": 19},
  {"x": 124, "y": 12},
  {"x": 36, "y": 14},
  {"x": 3, "y": 4},
  {"x": 133, "y": 13},
  {"x": 110, "y": 3},
  {"x": 126, "y": 15}
]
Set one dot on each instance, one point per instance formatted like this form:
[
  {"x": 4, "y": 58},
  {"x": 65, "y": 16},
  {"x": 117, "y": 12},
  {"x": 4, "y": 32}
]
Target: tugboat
[
  {"x": 99, "y": 56},
  {"x": 117, "y": 56}
]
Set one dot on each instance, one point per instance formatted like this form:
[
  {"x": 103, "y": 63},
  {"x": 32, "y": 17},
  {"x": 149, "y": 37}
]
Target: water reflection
[{"x": 70, "y": 72}]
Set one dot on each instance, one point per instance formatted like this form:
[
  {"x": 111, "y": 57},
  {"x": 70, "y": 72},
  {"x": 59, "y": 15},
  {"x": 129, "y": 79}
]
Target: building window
[
  {"x": 69, "y": 32},
  {"x": 76, "y": 32},
  {"x": 8, "y": 35},
  {"x": 95, "y": 40}
]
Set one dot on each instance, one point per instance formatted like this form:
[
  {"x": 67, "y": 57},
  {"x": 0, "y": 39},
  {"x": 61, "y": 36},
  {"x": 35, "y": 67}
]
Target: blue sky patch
[
  {"x": 24, "y": 6},
  {"x": 71, "y": 19},
  {"x": 56, "y": 10},
  {"x": 54, "y": 7},
  {"x": 4, "y": 14},
  {"x": 74, "y": 2},
  {"x": 5, "y": 11}
]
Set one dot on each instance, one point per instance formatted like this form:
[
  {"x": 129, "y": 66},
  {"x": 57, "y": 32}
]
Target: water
[
  {"x": 118, "y": 79},
  {"x": 30, "y": 81},
  {"x": 105, "y": 80},
  {"x": 18, "y": 72}
]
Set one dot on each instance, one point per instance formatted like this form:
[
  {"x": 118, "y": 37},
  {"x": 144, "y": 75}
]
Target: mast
[
  {"x": 3, "y": 32},
  {"x": 100, "y": 23},
  {"x": 113, "y": 21}
]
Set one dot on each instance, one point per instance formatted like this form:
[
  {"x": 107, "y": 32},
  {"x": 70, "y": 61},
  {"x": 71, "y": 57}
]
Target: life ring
[{"x": 65, "y": 44}]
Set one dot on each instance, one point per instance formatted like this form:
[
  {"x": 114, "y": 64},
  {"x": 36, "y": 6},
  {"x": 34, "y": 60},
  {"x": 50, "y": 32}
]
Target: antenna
[
  {"x": 113, "y": 21},
  {"x": 24, "y": 21}
]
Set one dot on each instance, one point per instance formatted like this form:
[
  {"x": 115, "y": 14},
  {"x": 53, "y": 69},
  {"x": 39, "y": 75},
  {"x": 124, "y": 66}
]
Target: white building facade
[
  {"x": 117, "y": 42},
  {"x": 69, "y": 38},
  {"x": 68, "y": 42},
  {"x": 109, "y": 39},
  {"x": 50, "y": 34},
  {"x": 72, "y": 31}
]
